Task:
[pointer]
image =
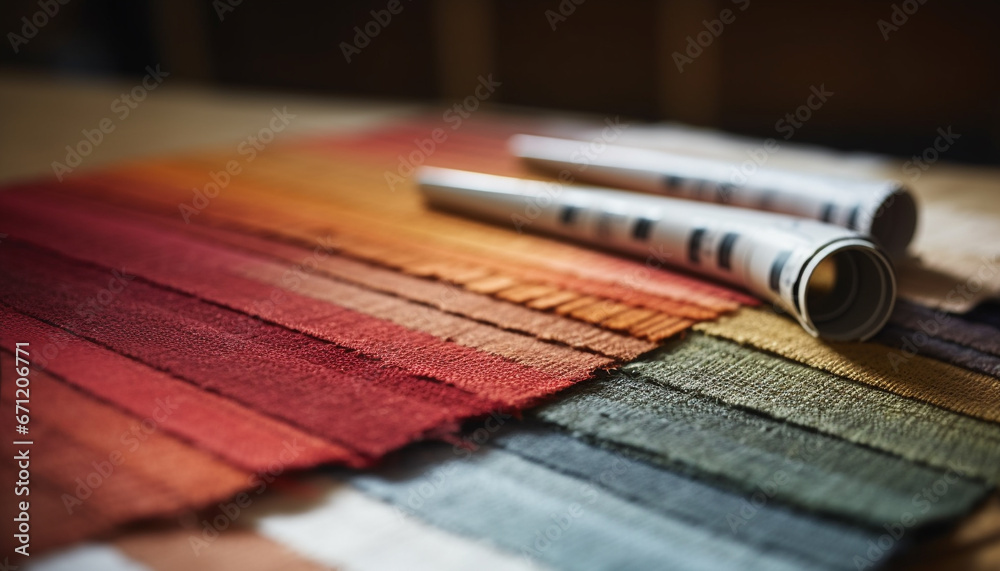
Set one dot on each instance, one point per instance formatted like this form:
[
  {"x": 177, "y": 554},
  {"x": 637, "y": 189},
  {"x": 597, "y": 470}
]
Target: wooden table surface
[{"x": 40, "y": 116}]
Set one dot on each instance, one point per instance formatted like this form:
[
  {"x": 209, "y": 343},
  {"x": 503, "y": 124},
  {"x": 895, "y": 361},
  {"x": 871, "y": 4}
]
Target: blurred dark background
[{"x": 930, "y": 66}]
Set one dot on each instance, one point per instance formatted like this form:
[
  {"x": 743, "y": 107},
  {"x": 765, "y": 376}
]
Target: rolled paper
[
  {"x": 882, "y": 209},
  {"x": 838, "y": 284}
]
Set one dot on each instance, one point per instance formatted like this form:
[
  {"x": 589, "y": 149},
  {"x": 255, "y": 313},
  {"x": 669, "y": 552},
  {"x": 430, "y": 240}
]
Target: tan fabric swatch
[
  {"x": 871, "y": 363},
  {"x": 957, "y": 245}
]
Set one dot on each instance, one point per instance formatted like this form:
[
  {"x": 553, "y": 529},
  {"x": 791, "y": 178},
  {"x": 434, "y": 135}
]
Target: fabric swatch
[
  {"x": 785, "y": 390},
  {"x": 911, "y": 375},
  {"x": 296, "y": 378},
  {"x": 442, "y": 296},
  {"x": 99, "y": 239},
  {"x": 905, "y": 342},
  {"x": 956, "y": 339},
  {"x": 987, "y": 313},
  {"x": 178, "y": 262},
  {"x": 586, "y": 517},
  {"x": 338, "y": 526},
  {"x": 239, "y": 435},
  {"x": 954, "y": 328},
  {"x": 98, "y": 467},
  {"x": 524, "y": 508},
  {"x": 750, "y": 452},
  {"x": 769, "y": 527}
]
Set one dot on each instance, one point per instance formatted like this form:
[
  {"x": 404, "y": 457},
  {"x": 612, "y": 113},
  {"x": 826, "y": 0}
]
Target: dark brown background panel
[
  {"x": 297, "y": 44},
  {"x": 940, "y": 68},
  {"x": 601, "y": 57}
]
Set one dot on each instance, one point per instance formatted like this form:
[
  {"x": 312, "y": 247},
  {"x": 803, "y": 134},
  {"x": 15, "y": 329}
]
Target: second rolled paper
[
  {"x": 882, "y": 209},
  {"x": 835, "y": 282}
]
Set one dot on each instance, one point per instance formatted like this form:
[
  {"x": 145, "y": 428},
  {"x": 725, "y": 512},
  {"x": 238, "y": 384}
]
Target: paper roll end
[
  {"x": 847, "y": 291},
  {"x": 895, "y": 221}
]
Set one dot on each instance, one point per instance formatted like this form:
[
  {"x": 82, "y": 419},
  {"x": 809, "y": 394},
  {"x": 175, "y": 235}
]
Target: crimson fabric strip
[
  {"x": 239, "y": 435},
  {"x": 93, "y": 467},
  {"x": 182, "y": 263},
  {"x": 367, "y": 406}
]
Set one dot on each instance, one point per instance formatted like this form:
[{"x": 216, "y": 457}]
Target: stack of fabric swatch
[{"x": 204, "y": 329}]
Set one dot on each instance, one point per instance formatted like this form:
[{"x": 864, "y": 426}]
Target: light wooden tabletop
[{"x": 41, "y": 115}]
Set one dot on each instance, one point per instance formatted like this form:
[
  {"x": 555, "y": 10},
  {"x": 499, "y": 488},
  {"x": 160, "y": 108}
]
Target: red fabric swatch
[
  {"x": 180, "y": 262},
  {"x": 353, "y": 400},
  {"x": 239, "y": 435}
]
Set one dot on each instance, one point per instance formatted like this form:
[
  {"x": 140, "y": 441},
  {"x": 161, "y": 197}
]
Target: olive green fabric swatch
[{"x": 790, "y": 391}]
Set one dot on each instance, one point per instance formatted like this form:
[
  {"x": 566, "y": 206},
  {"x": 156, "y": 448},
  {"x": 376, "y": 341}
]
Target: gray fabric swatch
[
  {"x": 764, "y": 524},
  {"x": 551, "y": 517}
]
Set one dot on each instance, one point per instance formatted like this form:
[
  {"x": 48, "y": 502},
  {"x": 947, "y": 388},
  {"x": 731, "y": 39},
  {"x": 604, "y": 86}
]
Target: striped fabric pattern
[{"x": 298, "y": 312}]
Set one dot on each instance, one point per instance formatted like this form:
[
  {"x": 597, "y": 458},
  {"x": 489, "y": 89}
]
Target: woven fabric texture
[
  {"x": 301, "y": 311},
  {"x": 908, "y": 374},
  {"x": 571, "y": 505},
  {"x": 94, "y": 467},
  {"x": 751, "y": 452},
  {"x": 804, "y": 396}
]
